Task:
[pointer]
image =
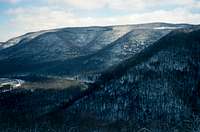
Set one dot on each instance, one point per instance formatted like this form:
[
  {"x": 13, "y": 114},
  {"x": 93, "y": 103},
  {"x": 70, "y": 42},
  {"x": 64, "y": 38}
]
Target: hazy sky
[{"x": 20, "y": 16}]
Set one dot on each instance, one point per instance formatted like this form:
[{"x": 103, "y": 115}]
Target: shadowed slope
[{"x": 158, "y": 89}]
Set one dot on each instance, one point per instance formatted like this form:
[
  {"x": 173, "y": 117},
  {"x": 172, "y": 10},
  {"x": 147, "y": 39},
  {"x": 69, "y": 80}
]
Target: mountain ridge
[{"x": 67, "y": 45}]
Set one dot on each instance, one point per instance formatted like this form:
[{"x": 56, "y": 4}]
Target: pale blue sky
[{"x": 21, "y": 16}]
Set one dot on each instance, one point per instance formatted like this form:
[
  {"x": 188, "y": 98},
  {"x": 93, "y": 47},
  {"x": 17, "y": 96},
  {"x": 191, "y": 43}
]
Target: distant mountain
[
  {"x": 78, "y": 52},
  {"x": 157, "y": 89}
]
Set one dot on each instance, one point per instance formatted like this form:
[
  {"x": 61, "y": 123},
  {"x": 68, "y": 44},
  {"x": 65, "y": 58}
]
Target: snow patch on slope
[
  {"x": 13, "y": 83},
  {"x": 110, "y": 36},
  {"x": 171, "y": 28}
]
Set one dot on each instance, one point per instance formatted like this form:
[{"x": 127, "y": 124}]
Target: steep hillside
[
  {"x": 156, "y": 90},
  {"x": 80, "y": 52},
  {"x": 156, "y": 86}
]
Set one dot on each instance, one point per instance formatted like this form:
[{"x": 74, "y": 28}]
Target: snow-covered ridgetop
[
  {"x": 28, "y": 37},
  {"x": 117, "y": 31}
]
